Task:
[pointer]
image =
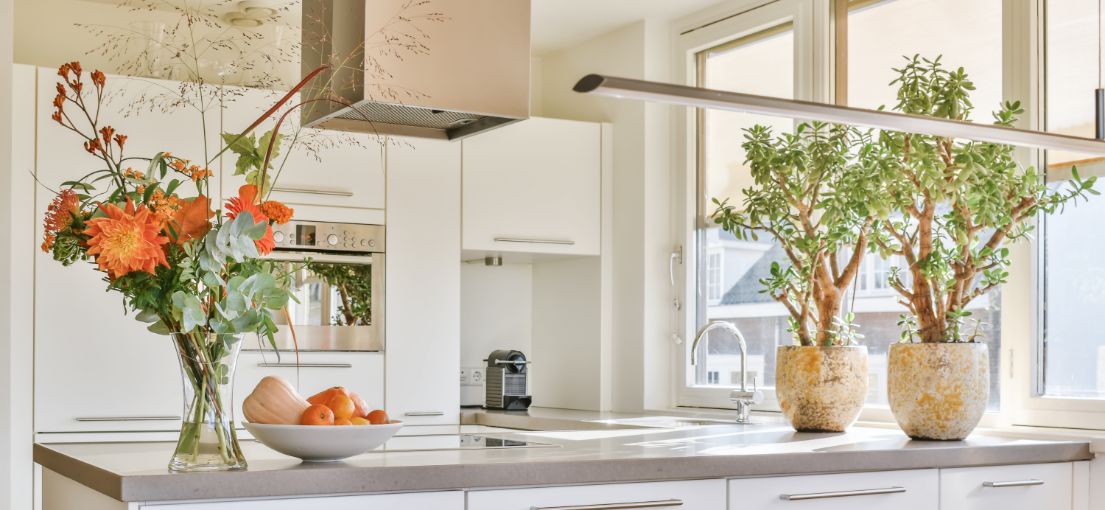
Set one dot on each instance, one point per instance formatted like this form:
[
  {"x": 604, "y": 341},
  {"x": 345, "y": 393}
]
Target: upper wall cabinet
[
  {"x": 326, "y": 175},
  {"x": 534, "y": 187}
]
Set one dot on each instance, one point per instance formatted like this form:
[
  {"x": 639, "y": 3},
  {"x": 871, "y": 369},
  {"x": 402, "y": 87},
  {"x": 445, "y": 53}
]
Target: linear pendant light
[{"x": 734, "y": 101}]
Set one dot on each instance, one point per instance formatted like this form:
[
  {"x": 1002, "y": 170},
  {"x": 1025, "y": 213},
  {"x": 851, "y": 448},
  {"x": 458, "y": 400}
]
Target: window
[
  {"x": 1073, "y": 297},
  {"x": 768, "y": 52},
  {"x": 879, "y": 34},
  {"x": 729, "y": 283}
]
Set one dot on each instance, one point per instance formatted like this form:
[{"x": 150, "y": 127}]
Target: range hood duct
[{"x": 468, "y": 70}]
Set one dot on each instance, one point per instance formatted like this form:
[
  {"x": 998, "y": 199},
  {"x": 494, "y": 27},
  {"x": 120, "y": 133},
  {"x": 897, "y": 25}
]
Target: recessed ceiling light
[
  {"x": 257, "y": 9},
  {"x": 240, "y": 20}
]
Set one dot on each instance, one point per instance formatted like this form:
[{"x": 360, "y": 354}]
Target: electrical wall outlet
[{"x": 472, "y": 376}]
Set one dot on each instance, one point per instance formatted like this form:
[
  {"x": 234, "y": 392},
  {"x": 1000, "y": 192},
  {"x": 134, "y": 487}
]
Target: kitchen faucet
[{"x": 743, "y": 398}]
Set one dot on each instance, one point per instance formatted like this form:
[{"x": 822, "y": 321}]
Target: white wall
[
  {"x": 496, "y": 306},
  {"x": 641, "y": 350},
  {"x": 6, "y": 386}
]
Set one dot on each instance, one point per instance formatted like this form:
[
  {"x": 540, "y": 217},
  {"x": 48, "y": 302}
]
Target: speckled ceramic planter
[
  {"x": 821, "y": 389},
  {"x": 938, "y": 390}
]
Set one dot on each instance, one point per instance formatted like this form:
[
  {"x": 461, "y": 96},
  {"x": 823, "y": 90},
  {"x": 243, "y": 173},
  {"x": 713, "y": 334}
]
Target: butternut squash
[{"x": 275, "y": 402}]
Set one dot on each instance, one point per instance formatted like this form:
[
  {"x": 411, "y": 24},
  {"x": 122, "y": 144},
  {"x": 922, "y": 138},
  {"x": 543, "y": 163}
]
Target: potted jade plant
[
  {"x": 955, "y": 205},
  {"x": 812, "y": 199}
]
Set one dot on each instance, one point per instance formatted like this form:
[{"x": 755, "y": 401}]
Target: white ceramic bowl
[{"x": 320, "y": 443}]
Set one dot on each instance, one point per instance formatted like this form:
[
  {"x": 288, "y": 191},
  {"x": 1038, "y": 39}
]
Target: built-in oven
[{"x": 337, "y": 277}]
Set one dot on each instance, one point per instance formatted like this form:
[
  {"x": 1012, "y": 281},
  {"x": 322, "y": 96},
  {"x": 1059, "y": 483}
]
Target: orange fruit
[
  {"x": 342, "y": 406},
  {"x": 324, "y": 396},
  {"x": 378, "y": 417},
  {"x": 357, "y": 420},
  {"x": 361, "y": 406},
  {"x": 317, "y": 414},
  {"x": 342, "y": 421}
]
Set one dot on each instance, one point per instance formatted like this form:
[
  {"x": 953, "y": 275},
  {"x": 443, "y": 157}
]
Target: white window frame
[
  {"x": 727, "y": 22},
  {"x": 1026, "y": 403},
  {"x": 1022, "y": 41}
]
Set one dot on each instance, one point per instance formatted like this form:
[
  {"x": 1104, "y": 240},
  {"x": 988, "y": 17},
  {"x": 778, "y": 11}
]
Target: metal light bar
[{"x": 734, "y": 101}]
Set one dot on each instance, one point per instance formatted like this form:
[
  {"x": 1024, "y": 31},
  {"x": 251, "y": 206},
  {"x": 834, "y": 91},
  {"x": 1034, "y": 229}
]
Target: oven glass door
[{"x": 338, "y": 302}]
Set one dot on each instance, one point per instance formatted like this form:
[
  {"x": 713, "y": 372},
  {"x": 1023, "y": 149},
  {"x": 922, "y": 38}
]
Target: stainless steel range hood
[{"x": 434, "y": 69}]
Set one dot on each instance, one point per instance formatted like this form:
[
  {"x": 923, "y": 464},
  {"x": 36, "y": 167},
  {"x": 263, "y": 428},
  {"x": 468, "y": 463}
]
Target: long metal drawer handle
[
  {"x": 314, "y": 191},
  {"x": 616, "y": 506},
  {"x": 841, "y": 494},
  {"x": 533, "y": 240},
  {"x": 305, "y": 365},
  {"x": 127, "y": 418},
  {"x": 1013, "y": 483},
  {"x": 424, "y": 413}
]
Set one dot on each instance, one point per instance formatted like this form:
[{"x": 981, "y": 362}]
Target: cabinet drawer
[
  {"x": 1030, "y": 486},
  {"x": 452, "y": 500},
  {"x": 360, "y": 372},
  {"x": 899, "y": 490},
  {"x": 691, "y": 495}
]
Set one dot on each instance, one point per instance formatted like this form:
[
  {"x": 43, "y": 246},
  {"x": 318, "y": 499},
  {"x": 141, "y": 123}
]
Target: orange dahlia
[
  {"x": 277, "y": 211},
  {"x": 247, "y": 201},
  {"x": 126, "y": 241}
]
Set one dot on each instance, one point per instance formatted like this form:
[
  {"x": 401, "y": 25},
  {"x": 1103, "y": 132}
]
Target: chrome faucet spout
[
  {"x": 704, "y": 334},
  {"x": 742, "y": 398}
]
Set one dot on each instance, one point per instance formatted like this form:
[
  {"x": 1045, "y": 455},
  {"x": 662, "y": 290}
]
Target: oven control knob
[
  {"x": 332, "y": 239},
  {"x": 364, "y": 242},
  {"x": 278, "y": 236},
  {"x": 372, "y": 243}
]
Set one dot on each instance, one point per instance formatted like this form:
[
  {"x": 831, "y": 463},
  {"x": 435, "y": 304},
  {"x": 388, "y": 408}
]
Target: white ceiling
[
  {"x": 556, "y": 24},
  {"x": 561, "y": 23}
]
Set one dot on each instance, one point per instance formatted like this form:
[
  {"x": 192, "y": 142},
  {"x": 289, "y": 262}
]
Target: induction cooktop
[{"x": 458, "y": 442}]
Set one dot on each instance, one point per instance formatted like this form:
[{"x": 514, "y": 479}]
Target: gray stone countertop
[{"x": 587, "y": 448}]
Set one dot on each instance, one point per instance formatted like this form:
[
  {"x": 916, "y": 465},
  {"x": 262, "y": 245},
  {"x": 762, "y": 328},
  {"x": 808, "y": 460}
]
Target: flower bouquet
[{"x": 193, "y": 273}]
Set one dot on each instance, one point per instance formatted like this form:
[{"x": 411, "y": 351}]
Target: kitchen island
[{"x": 705, "y": 454}]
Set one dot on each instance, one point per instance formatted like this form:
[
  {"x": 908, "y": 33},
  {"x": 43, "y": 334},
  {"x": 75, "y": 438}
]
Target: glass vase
[{"x": 208, "y": 440}]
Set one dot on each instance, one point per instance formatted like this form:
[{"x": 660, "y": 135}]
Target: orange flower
[
  {"x": 120, "y": 140},
  {"x": 126, "y": 241},
  {"x": 107, "y": 132},
  {"x": 192, "y": 219},
  {"x": 178, "y": 164},
  {"x": 164, "y": 207},
  {"x": 246, "y": 201},
  {"x": 277, "y": 211},
  {"x": 98, "y": 78},
  {"x": 92, "y": 145},
  {"x": 59, "y": 216}
]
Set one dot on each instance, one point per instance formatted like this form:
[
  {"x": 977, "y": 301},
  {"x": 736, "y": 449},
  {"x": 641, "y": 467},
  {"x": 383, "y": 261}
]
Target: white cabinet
[
  {"x": 326, "y": 176},
  {"x": 96, "y": 368},
  {"x": 1027, "y": 487},
  {"x": 900, "y": 490},
  {"x": 423, "y": 282},
  {"x": 535, "y": 187},
  {"x": 689, "y": 495},
  {"x": 360, "y": 372}
]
